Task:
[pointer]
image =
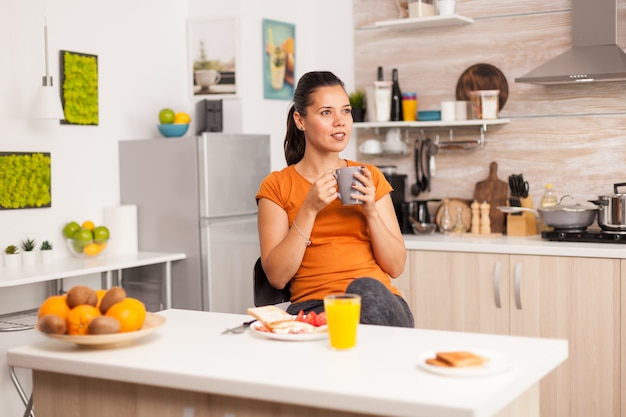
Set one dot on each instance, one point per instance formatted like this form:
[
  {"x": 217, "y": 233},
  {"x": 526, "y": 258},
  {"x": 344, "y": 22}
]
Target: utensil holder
[{"x": 524, "y": 224}]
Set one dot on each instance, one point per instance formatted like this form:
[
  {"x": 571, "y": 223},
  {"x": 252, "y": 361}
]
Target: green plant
[
  {"x": 25, "y": 180},
  {"x": 203, "y": 63},
  {"x": 357, "y": 99},
  {"x": 80, "y": 88},
  {"x": 45, "y": 245},
  {"x": 28, "y": 245},
  {"x": 11, "y": 250}
]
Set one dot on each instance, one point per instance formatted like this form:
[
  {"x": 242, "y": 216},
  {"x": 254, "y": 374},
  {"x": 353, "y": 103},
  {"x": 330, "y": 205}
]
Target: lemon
[{"x": 181, "y": 118}]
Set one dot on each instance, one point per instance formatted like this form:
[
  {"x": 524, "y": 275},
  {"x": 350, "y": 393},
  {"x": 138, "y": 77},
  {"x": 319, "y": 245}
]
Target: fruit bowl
[
  {"x": 86, "y": 249},
  {"x": 173, "y": 130}
]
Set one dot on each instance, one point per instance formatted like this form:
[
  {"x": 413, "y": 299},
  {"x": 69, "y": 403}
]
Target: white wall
[
  {"x": 142, "y": 67},
  {"x": 324, "y": 41}
]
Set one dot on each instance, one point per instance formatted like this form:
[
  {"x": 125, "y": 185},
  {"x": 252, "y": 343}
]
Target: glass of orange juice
[{"x": 343, "y": 312}]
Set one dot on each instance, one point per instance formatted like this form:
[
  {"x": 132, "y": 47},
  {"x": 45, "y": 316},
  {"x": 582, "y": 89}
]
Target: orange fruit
[
  {"x": 182, "y": 118},
  {"x": 56, "y": 305},
  {"x": 100, "y": 294},
  {"x": 130, "y": 312},
  {"x": 79, "y": 317},
  {"x": 89, "y": 225}
]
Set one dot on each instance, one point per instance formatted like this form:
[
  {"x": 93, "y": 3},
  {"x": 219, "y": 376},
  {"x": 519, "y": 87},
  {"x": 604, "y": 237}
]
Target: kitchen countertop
[
  {"x": 380, "y": 376},
  {"x": 74, "y": 267},
  {"x": 515, "y": 245}
]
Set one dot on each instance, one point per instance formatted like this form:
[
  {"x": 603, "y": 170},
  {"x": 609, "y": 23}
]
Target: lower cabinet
[{"x": 571, "y": 298}]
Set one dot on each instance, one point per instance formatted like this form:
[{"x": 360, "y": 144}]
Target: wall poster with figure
[
  {"x": 213, "y": 57},
  {"x": 278, "y": 59}
]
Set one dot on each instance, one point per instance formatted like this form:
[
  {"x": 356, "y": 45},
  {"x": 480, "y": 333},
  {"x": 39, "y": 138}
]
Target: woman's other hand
[{"x": 368, "y": 190}]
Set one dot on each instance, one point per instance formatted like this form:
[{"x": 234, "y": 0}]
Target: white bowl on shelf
[{"x": 394, "y": 147}]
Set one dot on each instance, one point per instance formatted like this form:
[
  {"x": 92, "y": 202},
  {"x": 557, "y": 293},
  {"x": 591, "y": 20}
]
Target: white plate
[
  {"x": 321, "y": 333},
  {"x": 152, "y": 323},
  {"x": 498, "y": 362}
]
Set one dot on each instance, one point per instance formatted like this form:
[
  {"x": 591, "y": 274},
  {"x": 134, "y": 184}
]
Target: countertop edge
[{"x": 513, "y": 245}]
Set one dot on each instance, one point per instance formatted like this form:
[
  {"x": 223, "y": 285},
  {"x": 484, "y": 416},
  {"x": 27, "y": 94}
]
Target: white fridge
[{"x": 196, "y": 195}]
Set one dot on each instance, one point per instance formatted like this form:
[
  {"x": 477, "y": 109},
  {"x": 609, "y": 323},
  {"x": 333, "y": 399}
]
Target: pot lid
[{"x": 571, "y": 207}]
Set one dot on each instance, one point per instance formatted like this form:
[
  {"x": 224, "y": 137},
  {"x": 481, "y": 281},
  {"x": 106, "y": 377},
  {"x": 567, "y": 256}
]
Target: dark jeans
[{"x": 378, "y": 305}]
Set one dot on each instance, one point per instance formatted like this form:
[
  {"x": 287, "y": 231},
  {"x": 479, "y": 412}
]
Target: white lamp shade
[{"x": 48, "y": 104}]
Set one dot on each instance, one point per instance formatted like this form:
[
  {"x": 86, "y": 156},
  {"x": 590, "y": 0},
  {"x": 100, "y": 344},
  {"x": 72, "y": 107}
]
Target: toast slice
[
  {"x": 269, "y": 314},
  {"x": 457, "y": 359}
]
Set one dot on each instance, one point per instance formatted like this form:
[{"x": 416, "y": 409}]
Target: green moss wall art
[
  {"x": 79, "y": 88},
  {"x": 25, "y": 180}
]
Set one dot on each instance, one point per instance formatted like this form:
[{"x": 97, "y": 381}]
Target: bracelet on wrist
[{"x": 308, "y": 239}]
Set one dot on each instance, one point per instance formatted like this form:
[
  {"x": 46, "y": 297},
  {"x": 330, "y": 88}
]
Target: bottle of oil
[{"x": 548, "y": 199}]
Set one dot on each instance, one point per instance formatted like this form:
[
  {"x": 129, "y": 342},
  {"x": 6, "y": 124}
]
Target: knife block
[{"x": 524, "y": 224}]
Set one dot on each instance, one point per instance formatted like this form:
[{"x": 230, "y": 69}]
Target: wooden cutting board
[{"x": 495, "y": 192}]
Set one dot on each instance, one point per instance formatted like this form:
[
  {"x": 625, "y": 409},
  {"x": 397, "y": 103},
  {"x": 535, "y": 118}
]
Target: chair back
[{"x": 264, "y": 292}]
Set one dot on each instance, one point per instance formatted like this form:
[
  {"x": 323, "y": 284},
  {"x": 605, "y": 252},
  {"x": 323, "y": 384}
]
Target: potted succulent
[
  {"x": 46, "y": 251},
  {"x": 28, "y": 255},
  {"x": 11, "y": 256},
  {"x": 357, "y": 101}
]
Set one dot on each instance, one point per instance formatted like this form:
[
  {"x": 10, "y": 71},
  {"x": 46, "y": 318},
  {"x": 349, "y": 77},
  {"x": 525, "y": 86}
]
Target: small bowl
[
  {"x": 423, "y": 228},
  {"x": 90, "y": 250},
  {"x": 173, "y": 130},
  {"x": 429, "y": 115}
]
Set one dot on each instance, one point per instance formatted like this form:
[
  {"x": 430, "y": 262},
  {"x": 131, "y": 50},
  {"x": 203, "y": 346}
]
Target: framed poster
[
  {"x": 79, "y": 88},
  {"x": 279, "y": 59},
  {"x": 213, "y": 56},
  {"x": 25, "y": 180}
]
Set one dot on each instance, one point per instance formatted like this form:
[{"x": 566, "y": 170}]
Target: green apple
[
  {"x": 69, "y": 229},
  {"x": 100, "y": 234},
  {"x": 82, "y": 237},
  {"x": 166, "y": 116}
]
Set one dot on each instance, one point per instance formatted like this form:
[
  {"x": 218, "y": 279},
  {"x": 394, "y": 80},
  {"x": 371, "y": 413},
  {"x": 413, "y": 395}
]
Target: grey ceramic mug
[{"x": 345, "y": 177}]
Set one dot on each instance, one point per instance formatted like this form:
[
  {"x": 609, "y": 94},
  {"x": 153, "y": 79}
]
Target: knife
[{"x": 239, "y": 329}]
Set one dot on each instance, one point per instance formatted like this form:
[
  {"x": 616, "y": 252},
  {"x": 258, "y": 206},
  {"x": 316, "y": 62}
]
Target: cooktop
[{"x": 594, "y": 236}]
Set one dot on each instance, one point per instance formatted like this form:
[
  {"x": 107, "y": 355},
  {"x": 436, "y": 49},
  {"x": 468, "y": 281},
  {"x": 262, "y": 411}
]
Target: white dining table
[{"x": 383, "y": 375}]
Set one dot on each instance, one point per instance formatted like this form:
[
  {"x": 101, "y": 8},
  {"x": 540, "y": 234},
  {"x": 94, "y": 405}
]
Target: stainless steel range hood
[{"x": 594, "y": 56}]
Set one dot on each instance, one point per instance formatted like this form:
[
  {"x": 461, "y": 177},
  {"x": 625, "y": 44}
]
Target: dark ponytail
[{"x": 295, "y": 144}]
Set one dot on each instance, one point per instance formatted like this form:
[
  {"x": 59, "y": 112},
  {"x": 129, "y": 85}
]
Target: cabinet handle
[
  {"x": 518, "y": 285},
  {"x": 496, "y": 284}
]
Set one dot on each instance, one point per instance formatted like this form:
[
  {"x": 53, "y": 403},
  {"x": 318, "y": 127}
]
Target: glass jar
[
  {"x": 459, "y": 226},
  {"x": 421, "y": 8},
  {"x": 445, "y": 224}
]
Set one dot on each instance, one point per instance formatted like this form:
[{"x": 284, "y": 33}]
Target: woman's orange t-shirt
[{"x": 340, "y": 249}]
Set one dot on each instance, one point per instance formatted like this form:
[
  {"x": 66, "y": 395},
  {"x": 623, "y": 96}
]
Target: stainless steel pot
[
  {"x": 612, "y": 209},
  {"x": 568, "y": 216}
]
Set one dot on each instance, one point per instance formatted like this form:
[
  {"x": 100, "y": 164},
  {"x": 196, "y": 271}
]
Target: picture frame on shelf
[
  {"x": 213, "y": 55},
  {"x": 279, "y": 59}
]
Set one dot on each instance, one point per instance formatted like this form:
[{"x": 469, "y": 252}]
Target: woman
[{"x": 312, "y": 241}]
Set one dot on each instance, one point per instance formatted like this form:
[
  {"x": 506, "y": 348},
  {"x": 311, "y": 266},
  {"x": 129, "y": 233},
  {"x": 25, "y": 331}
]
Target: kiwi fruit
[
  {"x": 79, "y": 295},
  {"x": 103, "y": 325},
  {"x": 113, "y": 296},
  {"x": 52, "y": 324}
]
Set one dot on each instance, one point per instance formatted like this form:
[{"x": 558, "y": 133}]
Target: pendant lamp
[{"x": 48, "y": 102}]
